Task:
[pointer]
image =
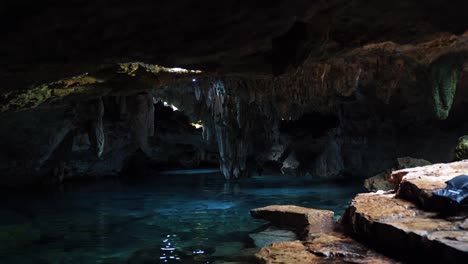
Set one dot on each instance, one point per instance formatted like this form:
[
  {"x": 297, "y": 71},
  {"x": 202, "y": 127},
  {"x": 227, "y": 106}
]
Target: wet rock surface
[
  {"x": 320, "y": 243},
  {"x": 326, "y": 248},
  {"x": 270, "y": 235},
  {"x": 398, "y": 223},
  {"x": 394, "y": 225},
  {"x": 284, "y": 252}
]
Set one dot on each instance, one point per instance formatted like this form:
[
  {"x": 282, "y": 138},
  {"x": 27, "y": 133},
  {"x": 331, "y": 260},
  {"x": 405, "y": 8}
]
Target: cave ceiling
[{"x": 45, "y": 41}]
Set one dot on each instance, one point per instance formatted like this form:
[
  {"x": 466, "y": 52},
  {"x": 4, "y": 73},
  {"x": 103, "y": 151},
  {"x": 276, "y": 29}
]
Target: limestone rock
[
  {"x": 340, "y": 248},
  {"x": 89, "y": 119},
  {"x": 326, "y": 248},
  {"x": 399, "y": 228},
  {"x": 382, "y": 181},
  {"x": 408, "y": 162},
  {"x": 290, "y": 165},
  {"x": 286, "y": 252},
  {"x": 142, "y": 120},
  {"x": 418, "y": 184},
  {"x": 379, "y": 182},
  {"x": 295, "y": 217},
  {"x": 329, "y": 164}
]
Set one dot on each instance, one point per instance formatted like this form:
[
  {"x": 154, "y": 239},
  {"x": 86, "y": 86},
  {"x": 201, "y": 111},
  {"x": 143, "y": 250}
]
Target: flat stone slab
[
  {"x": 286, "y": 252},
  {"x": 401, "y": 229},
  {"x": 418, "y": 184},
  {"x": 324, "y": 248},
  {"x": 296, "y": 218}
]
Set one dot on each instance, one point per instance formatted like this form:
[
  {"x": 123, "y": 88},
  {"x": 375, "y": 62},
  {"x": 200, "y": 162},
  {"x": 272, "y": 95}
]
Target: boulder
[
  {"x": 400, "y": 229},
  {"x": 382, "y": 181},
  {"x": 408, "y": 162},
  {"x": 298, "y": 218},
  {"x": 379, "y": 182}
]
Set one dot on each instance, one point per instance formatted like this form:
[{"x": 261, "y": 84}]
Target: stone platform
[{"x": 405, "y": 226}]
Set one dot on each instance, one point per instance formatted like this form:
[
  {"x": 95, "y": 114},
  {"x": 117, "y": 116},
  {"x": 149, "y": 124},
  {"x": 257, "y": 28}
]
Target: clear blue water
[{"x": 182, "y": 217}]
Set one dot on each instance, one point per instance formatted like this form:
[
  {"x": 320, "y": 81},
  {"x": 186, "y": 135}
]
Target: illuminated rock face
[
  {"x": 410, "y": 225},
  {"x": 296, "y": 218},
  {"x": 380, "y": 97}
]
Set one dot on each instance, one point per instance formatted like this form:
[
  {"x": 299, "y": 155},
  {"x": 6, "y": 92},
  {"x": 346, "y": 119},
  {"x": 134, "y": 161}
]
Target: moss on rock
[
  {"x": 445, "y": 73},
  {"x": 26, "y": 99},
  {"x": 461, "y": 151}
]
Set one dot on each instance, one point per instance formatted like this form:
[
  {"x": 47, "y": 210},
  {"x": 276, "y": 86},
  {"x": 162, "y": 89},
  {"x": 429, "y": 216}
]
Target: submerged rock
[
  {"x": 228, "y": 249},
  {"x": 271, "y": 235}
]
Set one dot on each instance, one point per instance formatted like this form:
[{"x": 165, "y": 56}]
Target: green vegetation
[
  {"x": 445, "y": 73},
  {"x": 461, "y": 151}
]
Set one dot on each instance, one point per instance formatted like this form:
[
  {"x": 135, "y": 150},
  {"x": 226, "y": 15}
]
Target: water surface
[{"x": 180, "y": 217}]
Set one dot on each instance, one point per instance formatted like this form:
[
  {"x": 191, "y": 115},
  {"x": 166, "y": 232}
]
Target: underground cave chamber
[{"x": 233, "y": 132}]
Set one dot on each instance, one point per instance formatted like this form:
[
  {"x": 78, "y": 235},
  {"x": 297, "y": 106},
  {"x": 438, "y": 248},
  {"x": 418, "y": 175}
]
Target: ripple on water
[{"x": 191, "y": 218}]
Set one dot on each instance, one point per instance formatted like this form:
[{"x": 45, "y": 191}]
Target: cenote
[
  {"x": 179, "y": 217},
  {"x": 233, "y": 131}
]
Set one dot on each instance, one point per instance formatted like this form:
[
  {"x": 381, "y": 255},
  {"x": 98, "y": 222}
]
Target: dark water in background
[{"x": 186, "y": 217}]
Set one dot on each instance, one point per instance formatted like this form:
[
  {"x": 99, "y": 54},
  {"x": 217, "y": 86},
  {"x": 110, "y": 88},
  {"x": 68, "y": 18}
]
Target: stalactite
[
  {"x": 88, "y": 119},
  {"x": 142, "y": 120},
  {"x": 95, "y": 128}
]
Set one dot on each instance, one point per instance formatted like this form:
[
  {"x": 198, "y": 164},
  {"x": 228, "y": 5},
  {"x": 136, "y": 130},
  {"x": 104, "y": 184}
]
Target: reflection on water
[{"x": 189, "y": 217}]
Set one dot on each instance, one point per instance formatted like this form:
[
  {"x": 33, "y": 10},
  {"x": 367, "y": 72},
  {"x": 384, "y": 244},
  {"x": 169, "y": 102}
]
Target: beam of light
[
  {"x": 197, "y": 125},
  {"x": 182, "y": 70},
  {"x": 174, "y": 108}
]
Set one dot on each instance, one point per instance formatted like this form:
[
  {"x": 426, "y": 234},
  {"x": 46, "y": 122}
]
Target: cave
[{"x": 233, "y": 131}]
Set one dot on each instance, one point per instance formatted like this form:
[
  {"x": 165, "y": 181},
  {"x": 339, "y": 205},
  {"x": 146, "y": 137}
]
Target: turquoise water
[{"x": 181, "y": 217}]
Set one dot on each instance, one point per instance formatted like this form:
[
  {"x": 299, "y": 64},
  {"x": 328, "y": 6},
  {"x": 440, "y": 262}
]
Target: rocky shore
[{"x": 380, "y": 227}]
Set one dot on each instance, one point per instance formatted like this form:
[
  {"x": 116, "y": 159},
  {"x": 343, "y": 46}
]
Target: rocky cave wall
[
  {"x": 334, "y": 89},
  {"x": 388, "y": 101}
]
